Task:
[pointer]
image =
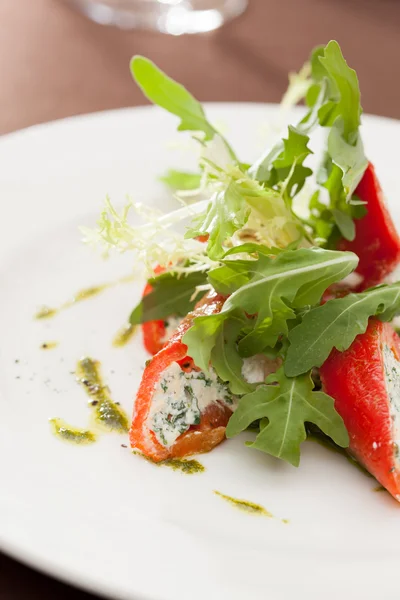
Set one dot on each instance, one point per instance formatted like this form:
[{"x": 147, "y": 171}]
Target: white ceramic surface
[{"x": 98, "y": 516}]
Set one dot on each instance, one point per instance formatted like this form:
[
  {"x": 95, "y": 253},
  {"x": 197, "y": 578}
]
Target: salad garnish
[{"x": 261, "y": 292}]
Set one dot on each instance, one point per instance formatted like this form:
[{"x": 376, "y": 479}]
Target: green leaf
[
  {"x": 237, "y": 199},
  {"x": 171, "y": 295},
  {"x": 228, "y": 278},
  {"x": 227, "y": 212},
  {"x": 170, "y": 95},
  {"x": 225, "y": 357},
  {"x": 345, "y": 224},
  {"x": 265, "y": 332},
  {"x": 336, "y": 324},
  {"x": 349, "y": 158},
  {"x": 285, "y": 161},
  {"x": 254, "y": 248},
  {"x": 345, "y": 148},
  {"x": 346, "y": 90},
  {"x": 335, "y": 85},
  {"x": 337, "y": 218},
  {"x": 181, "y": 180},
  {"x": 201, "y": 338},
  {"x": 318, "y": 71},
  {"x": 277, "y": 285},
  {"x": 235, "y": 273},
  {"x": 173, "y": 97},
  {"x": 271, "y": 288},
  {"x": 284, "y": 410}
]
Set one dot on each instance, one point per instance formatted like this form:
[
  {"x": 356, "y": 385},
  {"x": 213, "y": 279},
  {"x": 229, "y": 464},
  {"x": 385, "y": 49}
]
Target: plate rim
[
  {"x": 45, "y": 126},
  {"x": 19, "y": 552}
]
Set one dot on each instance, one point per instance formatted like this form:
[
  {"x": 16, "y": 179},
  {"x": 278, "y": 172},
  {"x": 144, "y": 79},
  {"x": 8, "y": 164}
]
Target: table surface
[{"x": 55, "y": 63}]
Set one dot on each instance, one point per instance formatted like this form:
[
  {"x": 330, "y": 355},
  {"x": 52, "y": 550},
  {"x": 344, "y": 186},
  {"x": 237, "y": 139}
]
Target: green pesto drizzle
[
  {"x": 46, "y": 312},
  {"x": 107, "y": 413},
  {"x": 124, "y": 335},
  {"x": 62, "y": 430},
  {"x": 48, "y": 345},
  {"x": 249, "y": 507},
  {"x": 188, "y": 467}
]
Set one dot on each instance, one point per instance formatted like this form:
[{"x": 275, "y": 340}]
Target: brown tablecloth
[{"x": 55, "y": 63}]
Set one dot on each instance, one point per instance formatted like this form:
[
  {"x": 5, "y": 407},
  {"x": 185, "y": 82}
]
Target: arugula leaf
[
  {"x": 271, "y": 288},
  {"x": 170, "y": 95},
  {"x": 333, "y": 97},
  {"x": 294, "y": 150},
  {"x": 173, "y": 97},
  {"x": 350, "y": 158},
  {"x": 284, "y": 410},
  {"x": 181, "y": 180},
  {"x": 288, "y": 166},
  {"x": 336, "y": 220},
  {"x": 201, "y": 338},
  {"x": 278, "y": 285},
  {"x": 256, "y": 249},
  {"x": 336, "y": 324},
  {"x": 341, "y": 111},
  {"x": 171, "y": 295},
  {"x": 320, "y": 219},
  {"x": 345, "y": 224},
  {"x": 285, "y": 160},
  {"x": 230, "y": 276},
  {"x": 225, "y": 357},
  {"x": 346, "y": 91},
  {"x": 318, "y": 71}
]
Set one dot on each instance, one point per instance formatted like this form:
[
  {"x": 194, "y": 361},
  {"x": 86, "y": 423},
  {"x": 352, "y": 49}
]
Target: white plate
[{"x": 98, "y": 516}]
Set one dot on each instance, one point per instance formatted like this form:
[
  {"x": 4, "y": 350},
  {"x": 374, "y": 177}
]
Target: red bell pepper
[
  {"x": 199, "y": 438},
  {"x": 377, "y": 243},
  {"x": 365, "y": 384},
  {"x": 153, "y": 331}
]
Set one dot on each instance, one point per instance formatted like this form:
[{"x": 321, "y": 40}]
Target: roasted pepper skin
[
  {"x": 356, "y": 380},
  {"x": 377, "y": 243},
  {"x": 153, "y": 332},
  {"x": 199, "y": 438}
]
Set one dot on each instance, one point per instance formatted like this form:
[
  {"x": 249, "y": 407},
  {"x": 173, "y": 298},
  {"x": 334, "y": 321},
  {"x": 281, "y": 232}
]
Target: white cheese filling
[
  {"x": 392, "y": 379},
  {"x": 180, "y": 398},
  {"x": 256, "y": 368},
  {"x": 171, "y": 325}
]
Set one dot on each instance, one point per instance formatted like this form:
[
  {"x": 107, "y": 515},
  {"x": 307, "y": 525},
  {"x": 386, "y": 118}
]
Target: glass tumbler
[{"x": 169, "y": 16}]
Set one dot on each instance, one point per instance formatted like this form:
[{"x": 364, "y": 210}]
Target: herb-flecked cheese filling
[
  {"x": 392, "y": 379},
  {"x": 180, "y": 398},
  {"x": 171, "y": 325}
]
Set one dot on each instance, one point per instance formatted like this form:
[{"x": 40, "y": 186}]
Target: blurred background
[{"x": 56, "y": 62}]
